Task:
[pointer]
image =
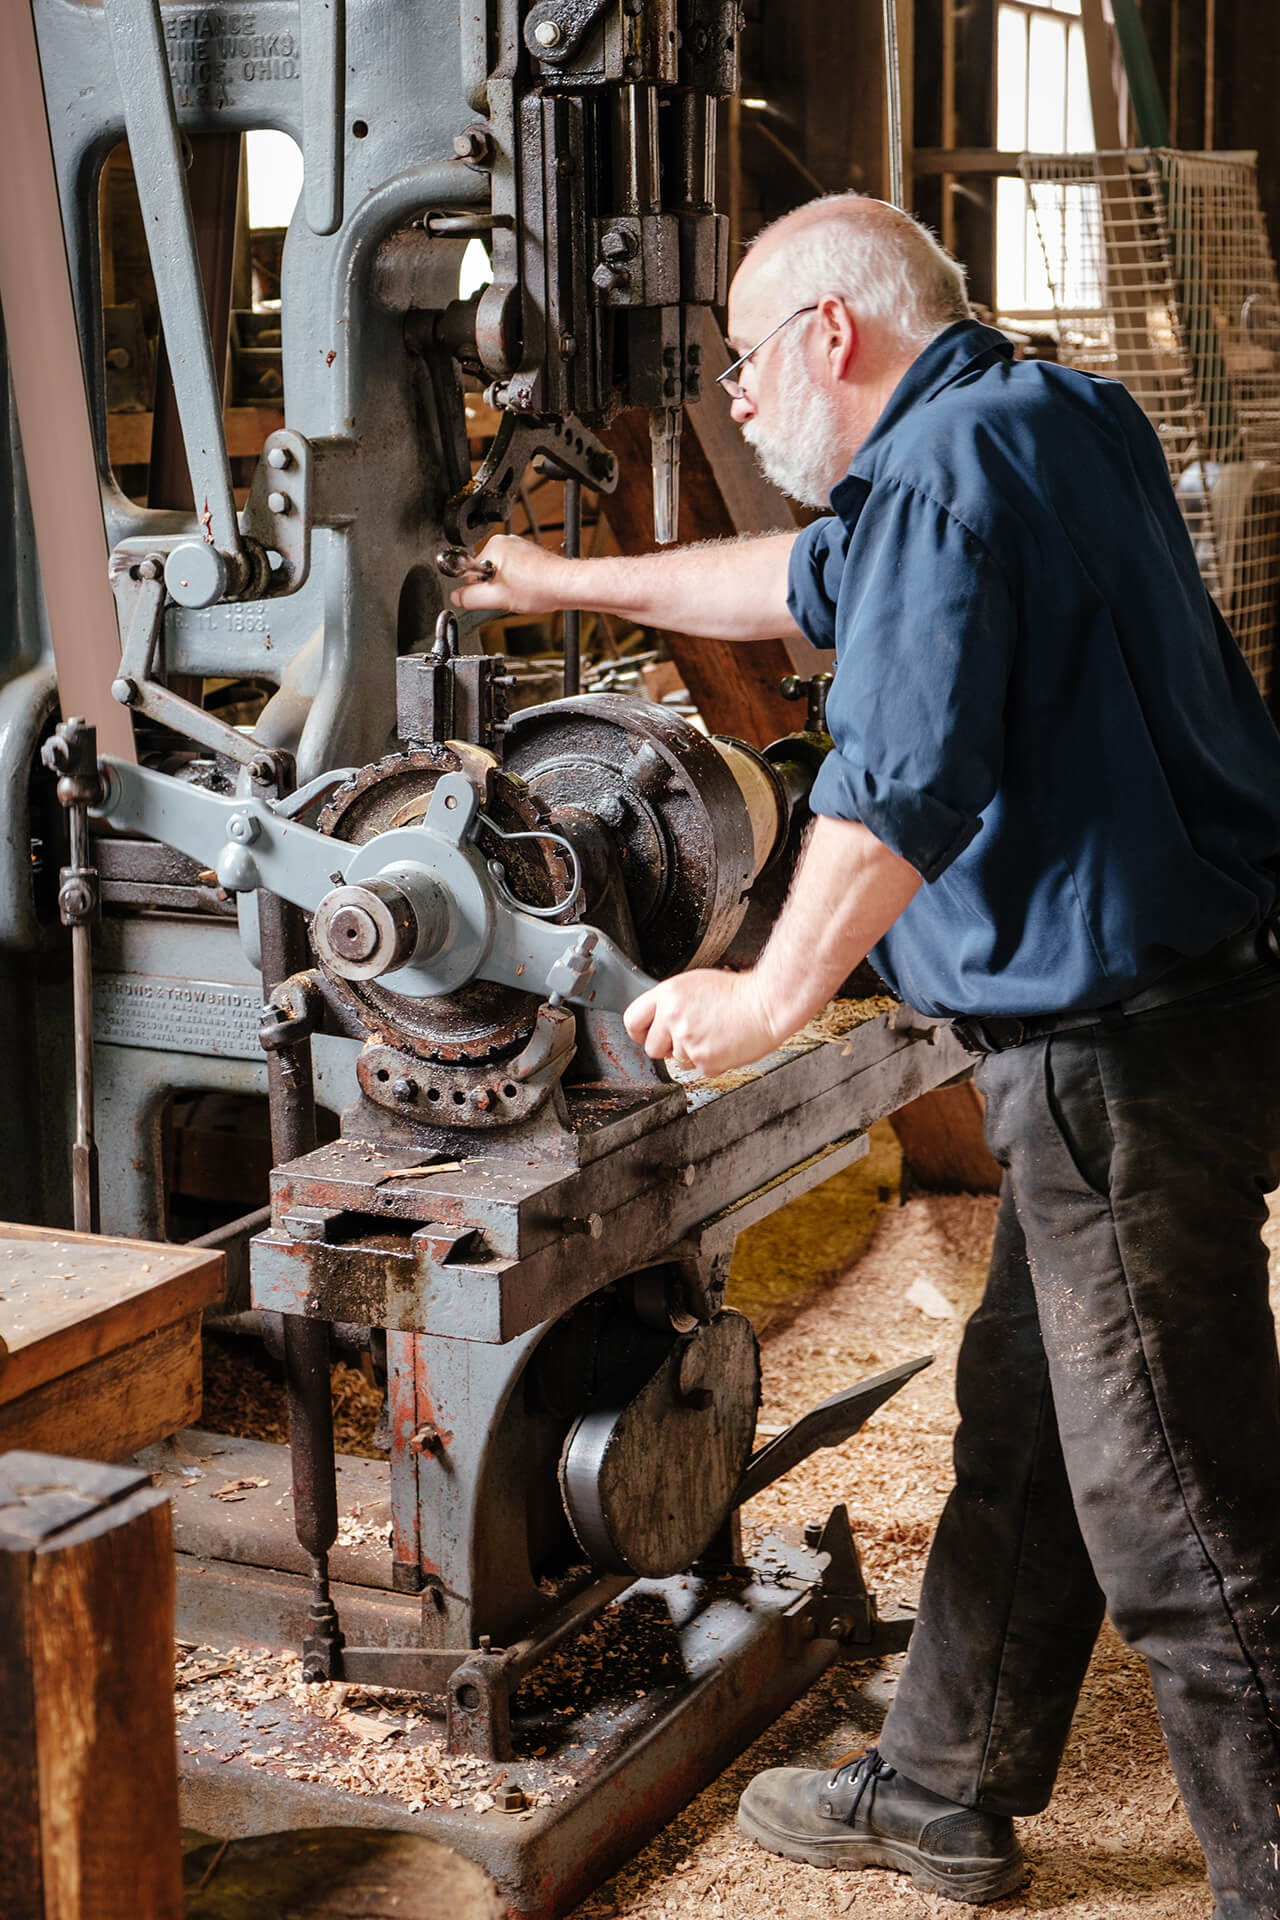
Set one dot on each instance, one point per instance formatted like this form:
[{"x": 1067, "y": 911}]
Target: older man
[{"x": 1053, "y": 813}]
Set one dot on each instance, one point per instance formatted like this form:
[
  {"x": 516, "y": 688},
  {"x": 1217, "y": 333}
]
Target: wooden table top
[{"x": 68, "y": 1298}]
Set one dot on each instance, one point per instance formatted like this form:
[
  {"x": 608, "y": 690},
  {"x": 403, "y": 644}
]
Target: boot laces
[{"x": 868, "y": 1767}]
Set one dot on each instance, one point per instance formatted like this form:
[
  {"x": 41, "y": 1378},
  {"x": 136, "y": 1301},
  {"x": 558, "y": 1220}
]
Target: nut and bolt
[
  {"x": 547, "y": 34},
  {"x": 75, "y": 900},
  {"x": 404, "y": 1090},
  {"x": 512, "y": 1800},
  {"x": 279, "y": 502},
  {"x": 427, "y": 1439},
  {"x": 243, "y": 828},
  {"x": 813, "y": 1533},
  {"x": 278, "y": 458},
  {"x": 610, "y": 279},
  {"x": 124, "y": 690},
  {"x": 618, "y": 243},
  {"x": 471, "y": 144},
  {"x": 353, "y": 933}
]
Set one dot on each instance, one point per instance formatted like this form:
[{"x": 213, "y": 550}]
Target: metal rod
[
  {"x": 893, "y": 100},
  {"x": 308, "y": 1386},
  {"x": 573, "y": 617},
  {"x": 155, "y": 150},
  {"x": 85, "y": 1214}
]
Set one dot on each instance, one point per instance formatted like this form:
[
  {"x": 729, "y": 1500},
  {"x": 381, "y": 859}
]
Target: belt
[{"x": 1243, "y": 953}]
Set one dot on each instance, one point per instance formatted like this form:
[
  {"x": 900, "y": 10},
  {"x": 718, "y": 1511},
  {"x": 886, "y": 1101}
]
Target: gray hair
[{"x": 889, "y": 267}]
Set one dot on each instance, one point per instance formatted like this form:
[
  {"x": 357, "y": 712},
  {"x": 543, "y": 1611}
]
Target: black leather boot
[{"x": 866, "y": 1814}]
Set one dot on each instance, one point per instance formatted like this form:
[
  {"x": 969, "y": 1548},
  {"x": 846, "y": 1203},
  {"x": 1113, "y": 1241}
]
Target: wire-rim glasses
[{"x": 726, "y": 379}]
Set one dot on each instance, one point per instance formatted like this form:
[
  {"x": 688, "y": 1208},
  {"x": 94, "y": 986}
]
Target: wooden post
[{"x": 88, "y": 1754}]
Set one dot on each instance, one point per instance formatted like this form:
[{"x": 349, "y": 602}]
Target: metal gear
[{"x": 482, "y": 1022}]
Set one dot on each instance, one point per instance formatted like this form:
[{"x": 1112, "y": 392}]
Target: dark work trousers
[{"x": 1119, "y": 1443}]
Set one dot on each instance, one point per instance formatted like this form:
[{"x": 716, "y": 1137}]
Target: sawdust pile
[
  {"x": 1115, "y": 1843},
  {"x": 364, "y": 1740},
  {"x": 244, "y": 1394}
]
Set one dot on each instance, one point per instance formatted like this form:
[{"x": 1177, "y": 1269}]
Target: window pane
[
  {"x": 274, "y": 166},
  {"x": 1079, "y": 105},
  {"x": 1011, "y": 246},
  {"x": 1011, "y": 80},
  {"x": 1047, "y": 104}
]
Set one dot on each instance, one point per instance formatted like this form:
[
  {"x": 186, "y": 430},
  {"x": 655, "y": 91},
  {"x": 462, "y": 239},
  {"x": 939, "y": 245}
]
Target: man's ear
[{"x": 839, "y": 333}]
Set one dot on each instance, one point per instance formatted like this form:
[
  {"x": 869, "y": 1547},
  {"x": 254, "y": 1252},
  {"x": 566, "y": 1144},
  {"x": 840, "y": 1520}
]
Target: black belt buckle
[{"x": 991, "y": 1035}]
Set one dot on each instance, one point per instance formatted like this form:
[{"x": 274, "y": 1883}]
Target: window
[{"x": 1042, "y": 106}]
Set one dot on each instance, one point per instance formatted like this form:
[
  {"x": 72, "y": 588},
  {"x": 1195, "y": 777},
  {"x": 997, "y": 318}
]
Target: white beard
[{"x": 802, "y": 451}]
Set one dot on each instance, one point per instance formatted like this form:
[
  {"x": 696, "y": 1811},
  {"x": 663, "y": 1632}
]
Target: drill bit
[{"x": 664, "y": 432}]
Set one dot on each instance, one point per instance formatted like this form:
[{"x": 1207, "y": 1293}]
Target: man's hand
[
  {"x": 706, "y": 1019},
  {"x": 527, "y": 578}
]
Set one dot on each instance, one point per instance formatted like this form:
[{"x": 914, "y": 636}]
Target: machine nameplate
[{"x": 178, "y": 1016}]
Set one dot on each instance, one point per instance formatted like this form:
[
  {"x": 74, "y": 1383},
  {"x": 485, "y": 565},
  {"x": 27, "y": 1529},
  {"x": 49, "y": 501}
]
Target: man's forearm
[
  {"x": 724, "y": 590},
  {"x": 847, "y": 892}
]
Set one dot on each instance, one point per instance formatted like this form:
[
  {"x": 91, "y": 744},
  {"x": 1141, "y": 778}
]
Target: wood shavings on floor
[
  {"x": 1115, "y": 1843},
  {"x": 364, "y": 1740}
]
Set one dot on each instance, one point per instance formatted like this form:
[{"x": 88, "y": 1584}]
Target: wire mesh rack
[{"x": 1161, "y": 275}]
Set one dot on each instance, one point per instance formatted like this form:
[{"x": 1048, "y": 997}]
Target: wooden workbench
[{"x": 99, "y": 1340}]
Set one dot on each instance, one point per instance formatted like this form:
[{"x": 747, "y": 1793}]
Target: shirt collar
[{"x": 965, "y": 345}]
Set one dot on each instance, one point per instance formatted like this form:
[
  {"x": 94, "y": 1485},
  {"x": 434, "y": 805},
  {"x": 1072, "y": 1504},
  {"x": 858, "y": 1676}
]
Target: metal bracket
[
  {"x": 553, "y": 28},
  {"x": 487, "y": 500}
]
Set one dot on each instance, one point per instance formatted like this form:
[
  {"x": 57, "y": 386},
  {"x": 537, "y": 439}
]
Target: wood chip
[
  {"x": 237, "y": 1489},
  {"x": 416, "y": 1173}
]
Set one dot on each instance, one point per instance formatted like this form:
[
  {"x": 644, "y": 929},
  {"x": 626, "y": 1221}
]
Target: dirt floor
[{"x": 1115, "y": 1841}]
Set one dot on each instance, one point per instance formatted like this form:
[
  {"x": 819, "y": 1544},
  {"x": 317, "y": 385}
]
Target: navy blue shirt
[{"x": 1035, "y": 702}]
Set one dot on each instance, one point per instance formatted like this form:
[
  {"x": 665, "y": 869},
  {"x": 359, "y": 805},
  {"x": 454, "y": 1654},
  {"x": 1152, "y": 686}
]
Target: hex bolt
[
  {"x": 124, "y": 690},
  {"x": 427, "y": 1439},
  {"x": 243, "y": 828},
  {"x": 610, "y": 279},
  {"x": 403, "y": 1089},
  {"x": 813, "y": 1533},
  {"x": 512, "y": 1800},
  {"x": 547, "y": 34},
  {"x": 279, "y": 502},
  {"x": 618, "y": 243},
  {"x": 471, "y": 144},
  {"x": 278, "y": 458}
]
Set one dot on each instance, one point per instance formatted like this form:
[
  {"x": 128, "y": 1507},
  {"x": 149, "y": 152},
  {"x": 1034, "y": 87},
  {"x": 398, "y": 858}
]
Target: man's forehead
[{"x": 750, "y": 306}]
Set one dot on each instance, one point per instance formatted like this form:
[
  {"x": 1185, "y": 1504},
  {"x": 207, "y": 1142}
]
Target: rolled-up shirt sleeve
[
  {"x": 924, "y": 623},
  {"x": 814, "y": 572}
]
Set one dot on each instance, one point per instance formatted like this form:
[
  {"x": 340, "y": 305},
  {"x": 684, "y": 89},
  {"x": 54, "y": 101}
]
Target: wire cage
[{"x": 1161, "y": 275}]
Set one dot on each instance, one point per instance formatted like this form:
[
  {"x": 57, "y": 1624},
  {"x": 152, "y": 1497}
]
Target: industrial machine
[{"x": 445, "y": 904}]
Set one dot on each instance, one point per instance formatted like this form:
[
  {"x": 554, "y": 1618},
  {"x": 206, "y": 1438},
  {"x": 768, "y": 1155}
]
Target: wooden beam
[
  {"x": 88, "y": 1753},
  {"x": 45, "y": 364}
]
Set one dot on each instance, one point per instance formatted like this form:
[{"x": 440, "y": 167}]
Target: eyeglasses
[{"x": 726, "y": 379}]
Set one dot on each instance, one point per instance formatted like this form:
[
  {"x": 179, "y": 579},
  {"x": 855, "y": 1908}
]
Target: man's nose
[{"x": 743, "y": 408}]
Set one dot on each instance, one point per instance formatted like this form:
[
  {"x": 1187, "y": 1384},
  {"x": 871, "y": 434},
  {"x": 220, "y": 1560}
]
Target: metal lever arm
[
  {"x": 825, "y": 1425},
  {"x": 462, "y": 927},
  {"x": 155, "y": 150}
]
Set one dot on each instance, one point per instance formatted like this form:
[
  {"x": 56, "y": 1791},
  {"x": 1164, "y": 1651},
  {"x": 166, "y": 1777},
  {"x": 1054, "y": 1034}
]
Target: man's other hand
[
  {"x": 707, "y": 1019},
  {"x": 527, "y": 578}
]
